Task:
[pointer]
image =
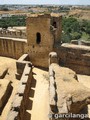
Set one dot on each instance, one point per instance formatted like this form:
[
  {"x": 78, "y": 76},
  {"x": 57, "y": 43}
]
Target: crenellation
[
  {"x": 11, "y": 47},
  {"x": 82, "y": 42},
  {"x": 13, "y": 33}
]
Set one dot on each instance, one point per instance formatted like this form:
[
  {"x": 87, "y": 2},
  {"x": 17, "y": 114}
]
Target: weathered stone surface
[
  {"x": 53, "y": 57},
  {"x": 17, "y": 103},
  {"x": 87, "y": 43},
  {"x": 12, "y": 47},
  {"x": 70, "y": 93},
  {"x": 21, "y": 89},
  {"x": 13, "y": 115},
  {"x": 24, "y": 80},
  {"x": 20, "y": 101},
  {"x": 76, "y": 57},
  {"x": 74, "y": 42},
  {"x": 81, "y": 42},
  {"x": 3, "y": 72},
  {"x": 38, "y": 52},
  {"x": 21, "y": 63},
  {"x": 5, "y": 91},
  {"x": 18, "y": 32},
  {"x": 52, "y": 95}
]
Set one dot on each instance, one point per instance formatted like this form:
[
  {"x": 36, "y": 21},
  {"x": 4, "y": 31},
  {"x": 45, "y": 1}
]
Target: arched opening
[
  {"x": 54, "y": 24},
  {"x": 38, "y": 38}
]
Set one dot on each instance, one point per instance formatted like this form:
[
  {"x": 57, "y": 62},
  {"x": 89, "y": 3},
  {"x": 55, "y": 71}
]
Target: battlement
[
  {"x": 12, "y": 33},
  {"x": 45, "y": 15},
  {"x": 12, "y": 47}
]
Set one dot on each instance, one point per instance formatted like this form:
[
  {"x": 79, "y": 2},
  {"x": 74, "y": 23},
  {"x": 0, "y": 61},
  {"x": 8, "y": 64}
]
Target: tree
[
  {"x": 65, "y": 38},
  {"x": 75, "y": 35},
  {"x": 5, "y": 26},
  {"x": 13, "y": 21},
  {"x": 70, "y": 25}
]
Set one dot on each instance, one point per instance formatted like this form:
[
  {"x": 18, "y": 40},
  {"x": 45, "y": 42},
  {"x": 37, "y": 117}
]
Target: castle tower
[{"x": 43, "y": 31}]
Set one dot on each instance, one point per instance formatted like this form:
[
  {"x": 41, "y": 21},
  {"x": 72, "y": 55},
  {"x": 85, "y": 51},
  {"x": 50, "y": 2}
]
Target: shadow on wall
[
  {"x": 6, "y": 96},
  {"x": 30, "y": 101},
  {"x": 20, "y": 102}
]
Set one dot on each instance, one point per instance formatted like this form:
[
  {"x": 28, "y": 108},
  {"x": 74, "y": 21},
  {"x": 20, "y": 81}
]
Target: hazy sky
[{"x": 80, "y": 2}]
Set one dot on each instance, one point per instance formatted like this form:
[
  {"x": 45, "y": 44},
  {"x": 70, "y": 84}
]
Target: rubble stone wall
[
  {"x": 18, "y": 106},
  {"x": 76, "y": 57},
  {"x": 12, "y": 34}
]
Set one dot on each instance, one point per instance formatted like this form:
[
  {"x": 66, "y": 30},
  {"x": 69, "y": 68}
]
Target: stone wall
[
  {"x": 56, "y": 22},
  {"x": 86, "y": 43},
  {"x": 6, "y": 89},
  {"x": 20, "y": 65},
  {"x": 81, "y": 42},
  {"x": 67, "y": 95},
  {"x": 12, "y": 47},
  {"x": 18, "y": 106},
  {"x": 13, "y": 34},
  {"x": 43, "y": 32},
  {"x": 38, "y": 52},
  {"x": 53, "y": 58},
  {"x": 76, "y": 57},
  {"x": 53, "y": 95},
  {"x": 48, "y": 35}
]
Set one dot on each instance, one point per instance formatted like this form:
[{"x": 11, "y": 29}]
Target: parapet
[
  {"x": 67, "y": 95},
  {"x": 12, "y": 33},
  {"x": 81, "y": 42},
  {"x": 44, "y": 15},
  {"x": 76, "y": 57},
  {"x": 39, "y": 15},
  {"x": 53, "y": 58},
  {"x": 20, "y": 65}
]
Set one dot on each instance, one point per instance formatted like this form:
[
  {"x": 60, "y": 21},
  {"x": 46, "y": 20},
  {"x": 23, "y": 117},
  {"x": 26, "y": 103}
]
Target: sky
[{"x": 57, "y": 2}]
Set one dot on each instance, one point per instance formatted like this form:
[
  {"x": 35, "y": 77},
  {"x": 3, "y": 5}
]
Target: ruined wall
[
  {"x": 20, "y": 65},
  {"x": 56, "y": 22},
  {"x": 86, "y": 43},
  {"x": 43, "y": 31},
  {"x": 19, "y": 103},
  {"x": 5, "y": 85},
  {"x": 52, "y": 90},
  {"x": 12, "y": 47},
  {"x": 76, "y": 57},
  {"x": 67, "y": 95},
  {"x": 13, "y": 34},
  {"x": 81, "y": 42}
]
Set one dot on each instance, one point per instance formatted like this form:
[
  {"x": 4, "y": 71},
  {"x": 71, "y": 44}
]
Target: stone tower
[{"x": 43, "y": 31}]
